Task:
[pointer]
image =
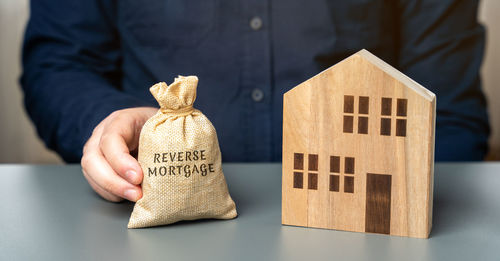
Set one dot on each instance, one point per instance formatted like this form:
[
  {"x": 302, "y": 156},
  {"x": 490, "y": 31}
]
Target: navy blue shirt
[{"x": 83, "y": 60}]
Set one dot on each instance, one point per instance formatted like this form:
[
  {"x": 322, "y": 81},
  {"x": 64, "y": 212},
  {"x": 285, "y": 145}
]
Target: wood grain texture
[
  {"x": 401, "y": 127},
  {"x": 362, "y": 125},
  {"x": 335, "y": 164},
  {"x": 348, "y": 123},
  {"x": 313, "y": 162},
  {"x": 298, "y": 179},
  {"x": 349, "y": 165},
  {"x": 298, "y": 161},
  {"x": 402, "y": 107},
  {"x": 378, "y": 203},
  {"x": 334, "y": 183},
  {"x": 314, "y": 123},
  {"x": 364, "y": 105},
  {"x": 312, "y": 182},
  {"x": 348, "y": 104},
  {"x": 385, "y": 126},
  {"x": 348, "y": 184},
  {"x": 386, "y": 108}
]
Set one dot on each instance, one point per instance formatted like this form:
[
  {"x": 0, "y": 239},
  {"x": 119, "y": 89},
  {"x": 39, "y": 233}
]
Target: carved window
[
  {"x": 350, "y": 114},
  {"x": 312, "y": 171},
  {"x": 364, "y": 107},
  {"x": 312, "y": 176},
  {"x": 336, "y": 173},
  {"x": 349, "y": 175},
  {"x": 402, "y": 108},
  {"x": 385, "y": 121},
  {"x": 388, "y": 117},
  {"x": 298, "y": 174}
]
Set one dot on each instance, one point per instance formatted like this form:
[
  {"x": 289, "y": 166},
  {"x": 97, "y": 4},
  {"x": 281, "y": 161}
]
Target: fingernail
[
  {"x": 131, "y": 175},
  {"x": 130, "y": 194}
]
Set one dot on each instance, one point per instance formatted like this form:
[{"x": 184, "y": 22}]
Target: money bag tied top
[{"x": 178, "y": 96}]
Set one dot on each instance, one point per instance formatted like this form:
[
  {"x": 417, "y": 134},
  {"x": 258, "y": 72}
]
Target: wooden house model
[{"x": 358, "y": 150}]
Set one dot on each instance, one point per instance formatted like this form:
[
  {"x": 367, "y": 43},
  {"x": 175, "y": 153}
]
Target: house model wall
[{"x": 358, "y": 150}]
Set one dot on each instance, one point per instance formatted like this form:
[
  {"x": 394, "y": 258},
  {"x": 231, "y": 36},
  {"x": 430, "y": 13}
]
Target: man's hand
[{"x": 106, "y": 162}]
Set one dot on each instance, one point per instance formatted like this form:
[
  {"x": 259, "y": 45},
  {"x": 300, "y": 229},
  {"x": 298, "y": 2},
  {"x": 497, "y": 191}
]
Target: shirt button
[
  {"x": 256, "y": 23},
  {"x": 257, "y": 95}
]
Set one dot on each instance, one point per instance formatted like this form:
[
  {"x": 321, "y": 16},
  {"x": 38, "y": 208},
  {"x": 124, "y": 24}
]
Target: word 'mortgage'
[{"x": 188, "y": 164}]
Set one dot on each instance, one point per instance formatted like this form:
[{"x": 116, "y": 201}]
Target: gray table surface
[{"x": 50, "y": 213}]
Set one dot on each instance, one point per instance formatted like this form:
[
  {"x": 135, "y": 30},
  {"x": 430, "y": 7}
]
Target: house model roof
[{"x": 393, "y": 72}]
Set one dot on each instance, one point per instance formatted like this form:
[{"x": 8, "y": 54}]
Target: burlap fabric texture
[{"x": 181, "y": 160}]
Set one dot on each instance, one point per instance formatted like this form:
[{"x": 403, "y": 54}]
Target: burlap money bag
[{"x": 180, "y": 157}]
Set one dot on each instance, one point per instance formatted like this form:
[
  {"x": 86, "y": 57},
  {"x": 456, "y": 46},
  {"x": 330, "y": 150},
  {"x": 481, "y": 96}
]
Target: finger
[
  {"x": 91, "y": 147},
  {"x": 92, "y": 144},
  {"x": 103, "y": 193},
  {"x": 101, "y": 172},
  {"x": 115, "y": 144}
]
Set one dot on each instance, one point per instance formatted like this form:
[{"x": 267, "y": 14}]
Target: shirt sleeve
[
  {"x": 441, "y": 47},
  {"x": 71, "y": 71}
]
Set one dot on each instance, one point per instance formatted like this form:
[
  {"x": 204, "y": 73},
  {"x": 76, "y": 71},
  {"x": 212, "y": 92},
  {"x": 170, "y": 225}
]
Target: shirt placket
[{"x": 256, "y": 78}]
